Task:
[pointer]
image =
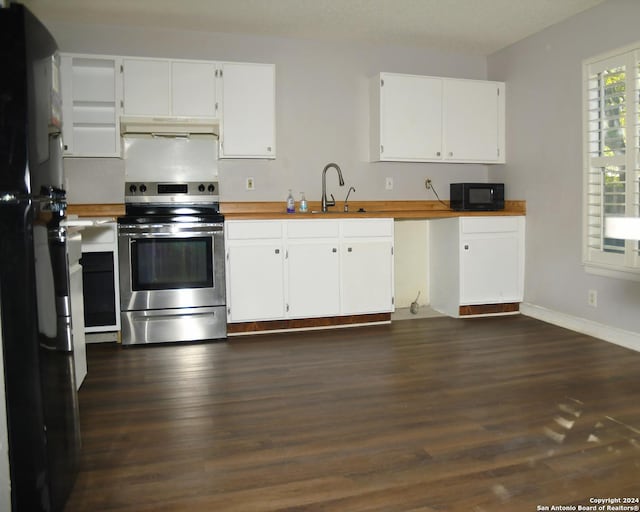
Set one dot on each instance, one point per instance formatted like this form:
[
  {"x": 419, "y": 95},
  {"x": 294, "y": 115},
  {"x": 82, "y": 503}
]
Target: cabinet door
[
  {"x": 248, "y": 111},
  {"x": 491, "y": 268},
  {"x": 410, "y": 117},
  {"x": 313, "y": 279},
  {"x": 147, "y": 87},
  {"x": 367, "y": 276},
  {"x": 471, "y": 121},
  {"x": 193, "y": 89},
  {"x": 255, "y": 272},
  {"x": 91, "y": 94}
]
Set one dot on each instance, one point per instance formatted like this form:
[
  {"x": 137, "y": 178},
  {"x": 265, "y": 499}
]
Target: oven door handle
[{"x": 179, "y": 234}]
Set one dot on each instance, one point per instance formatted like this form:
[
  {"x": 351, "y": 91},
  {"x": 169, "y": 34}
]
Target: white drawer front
[
  {"x": 313, "y": 228},
  {"x": 253, "y": 229},
  {"x": 367, "y": 227},
  {"x": 489, "y": 224}
]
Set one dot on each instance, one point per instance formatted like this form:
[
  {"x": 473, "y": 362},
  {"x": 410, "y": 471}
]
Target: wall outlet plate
[
  {"x": 592, "y": 298},
  {"x": 250, "y": 184},
  {"x": 388, "y": 183}
]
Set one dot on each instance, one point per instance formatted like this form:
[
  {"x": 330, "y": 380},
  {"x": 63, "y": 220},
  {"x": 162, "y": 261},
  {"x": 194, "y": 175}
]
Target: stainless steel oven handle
[
  {"x": 157, "y": 231},
  {"x": 213, "y": 225},
  {"x": 184, "y": 234}
]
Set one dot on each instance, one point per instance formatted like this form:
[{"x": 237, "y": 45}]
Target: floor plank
[{"x": 433, "y": 414}]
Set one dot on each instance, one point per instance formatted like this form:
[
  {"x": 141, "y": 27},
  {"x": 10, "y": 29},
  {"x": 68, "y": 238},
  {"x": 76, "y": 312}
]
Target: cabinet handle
[
  {"x": 269, "y": 149},
  {"x": 450, "y": 153},
  {"x": 438, "y": 153},
  {"x": 466, "y": 247},
  {"x": 334, "y": 250},
  {"x": 277, "y": 251},
  {"x": 350, "y": 249}
]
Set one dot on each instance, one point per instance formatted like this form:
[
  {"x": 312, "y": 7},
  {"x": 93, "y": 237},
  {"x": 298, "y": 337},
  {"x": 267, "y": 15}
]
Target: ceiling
[{"x": 478, "y": 27}]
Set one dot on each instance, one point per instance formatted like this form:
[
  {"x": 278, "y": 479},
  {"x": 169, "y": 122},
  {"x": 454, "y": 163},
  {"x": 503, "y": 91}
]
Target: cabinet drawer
[
  {"x": 313, "y": 229},
  {"x": 362, "y": 228},
  {"x": 489, "y": 224},
  {"x": 258, "y": 229}
]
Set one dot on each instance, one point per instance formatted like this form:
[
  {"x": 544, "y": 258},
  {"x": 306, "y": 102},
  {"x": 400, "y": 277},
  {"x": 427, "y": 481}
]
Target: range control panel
[{"x": 163, "y": 192}]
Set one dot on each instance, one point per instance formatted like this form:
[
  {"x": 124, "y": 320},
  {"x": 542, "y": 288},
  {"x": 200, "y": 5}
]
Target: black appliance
[
  {"x": 476, "y": 196},
  {"x": 41, "y": 400},
  {"x": 98, "y": 289}
]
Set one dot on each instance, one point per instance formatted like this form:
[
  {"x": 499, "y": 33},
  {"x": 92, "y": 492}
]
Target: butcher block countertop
[{"x": 277, "y": 210}]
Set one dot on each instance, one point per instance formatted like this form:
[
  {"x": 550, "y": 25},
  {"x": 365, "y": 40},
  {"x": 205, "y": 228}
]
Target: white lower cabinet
[
  {"x": 476, "y": 261},
  {"x": 326, "y": 268},
  {"x": 313, "y": 268},
  {"x": 367, "y": 266},
  {"x": 254, "y": 270}
]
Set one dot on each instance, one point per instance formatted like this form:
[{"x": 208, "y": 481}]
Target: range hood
[{"x": 169, "y": 126}]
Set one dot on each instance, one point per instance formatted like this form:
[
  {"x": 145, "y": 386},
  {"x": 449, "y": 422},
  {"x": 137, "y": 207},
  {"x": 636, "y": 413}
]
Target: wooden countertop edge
[
  {"x": 96, "y": 210},
  {"x": 276, "y": 210}
]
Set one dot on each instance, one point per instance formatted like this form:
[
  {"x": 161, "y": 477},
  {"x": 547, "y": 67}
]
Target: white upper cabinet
[
  {"x": 473, "y": 121},
  {"x": 147, "y": 87},
  {"x": 410, "y": 117},
  {"x": 248, "y": 111},
  {"x": 433, "y": 119},
  {"x": 91, "y": 95},
  {"x": 194, "y": 89},
  {"x": 170, "y": 88},
  {"x": 105, "y": 96}
]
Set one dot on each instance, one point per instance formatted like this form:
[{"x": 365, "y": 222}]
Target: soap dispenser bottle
[
  {"x": 291, "y": 204},
  {"x": 303, "y": 203}
]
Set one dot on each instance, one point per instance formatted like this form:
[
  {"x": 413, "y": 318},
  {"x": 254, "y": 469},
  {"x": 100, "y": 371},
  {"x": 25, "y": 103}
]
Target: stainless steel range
[{"x": 171, "y": 261}]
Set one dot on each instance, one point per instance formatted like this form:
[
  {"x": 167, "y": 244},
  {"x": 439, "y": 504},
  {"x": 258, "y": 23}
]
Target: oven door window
[{"x": 172, "y": 263}]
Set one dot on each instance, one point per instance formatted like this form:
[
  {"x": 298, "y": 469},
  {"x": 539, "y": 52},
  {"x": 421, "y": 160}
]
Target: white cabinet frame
[
  {"x": 417, "y": 118},
  {"x": 330, "y": 268}
]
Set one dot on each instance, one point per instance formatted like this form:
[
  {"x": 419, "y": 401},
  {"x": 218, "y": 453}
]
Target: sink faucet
[{"x": 332, "y": 202}]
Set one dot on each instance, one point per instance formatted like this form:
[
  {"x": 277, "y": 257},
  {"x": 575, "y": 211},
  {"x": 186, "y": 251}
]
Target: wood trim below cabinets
[
  {"x": 305, "y": 323},
  {"x": 490, "y": 309}
]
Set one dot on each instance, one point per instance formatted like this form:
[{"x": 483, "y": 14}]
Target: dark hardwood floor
[{"x": 481, "y": 415}]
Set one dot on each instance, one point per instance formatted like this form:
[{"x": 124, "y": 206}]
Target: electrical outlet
[
  {"x": 427, "y": 183},
  {"x": 388, "y": 183},
  {"x": 250, "y": 184},
  {"x": 592, "y": 298}
]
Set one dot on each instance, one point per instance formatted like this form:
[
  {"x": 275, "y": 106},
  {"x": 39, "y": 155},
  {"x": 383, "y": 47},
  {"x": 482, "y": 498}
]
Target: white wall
[
  {"x": 322, "y": 112},
  {"x": 544, "y": 148},
  {"x": 411, "y": 264}
]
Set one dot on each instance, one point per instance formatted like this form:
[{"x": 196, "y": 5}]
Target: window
[{"x": 612, "y": 160}]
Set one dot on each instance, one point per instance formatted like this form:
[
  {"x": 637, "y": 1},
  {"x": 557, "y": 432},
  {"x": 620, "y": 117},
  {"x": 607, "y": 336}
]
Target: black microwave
[{"x": 476, "y": 196}]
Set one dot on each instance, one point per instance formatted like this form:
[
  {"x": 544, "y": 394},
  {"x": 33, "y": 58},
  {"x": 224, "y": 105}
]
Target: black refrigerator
[{"x": 35, "y": 321}]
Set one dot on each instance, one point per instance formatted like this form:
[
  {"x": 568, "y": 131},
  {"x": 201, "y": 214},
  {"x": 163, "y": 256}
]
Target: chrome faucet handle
[{"x": 331, "y": 202}]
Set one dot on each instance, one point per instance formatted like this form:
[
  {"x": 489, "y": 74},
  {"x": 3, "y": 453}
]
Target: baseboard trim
[{"x": 627, "y": 339}]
